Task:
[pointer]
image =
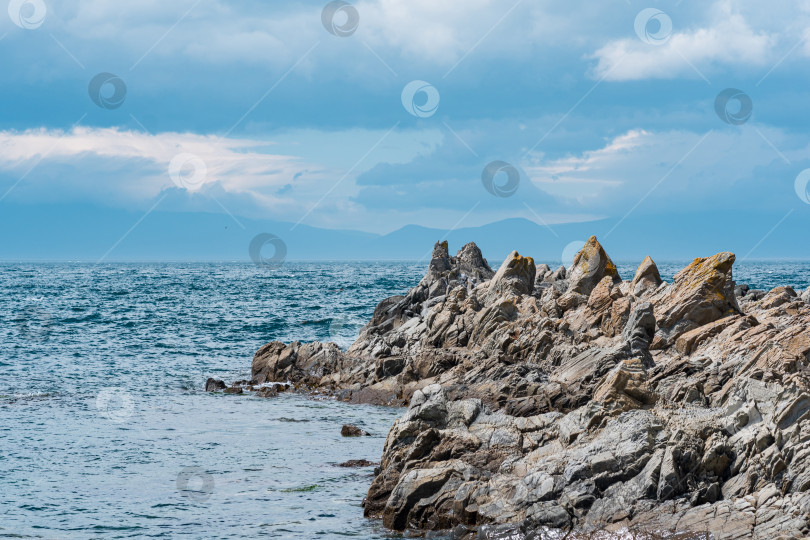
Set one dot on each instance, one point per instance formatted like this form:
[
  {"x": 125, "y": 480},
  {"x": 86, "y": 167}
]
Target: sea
[{"x": 106, "y": 430}]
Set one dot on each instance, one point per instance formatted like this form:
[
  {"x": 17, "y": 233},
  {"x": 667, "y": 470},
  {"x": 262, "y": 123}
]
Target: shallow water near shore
[{"x": 106, "y": 428}]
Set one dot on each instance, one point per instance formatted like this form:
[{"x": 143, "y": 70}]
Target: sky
[{"x": 374, "y": 115}]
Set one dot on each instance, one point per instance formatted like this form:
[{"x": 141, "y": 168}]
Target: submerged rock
[
  {"x": 538, "y": 401},
  {"x": 267, "y": 392},
  {"x": 349, "y": 430},
  {"x": 214, "y": 385},
  {"x": 357, "y": 463}
]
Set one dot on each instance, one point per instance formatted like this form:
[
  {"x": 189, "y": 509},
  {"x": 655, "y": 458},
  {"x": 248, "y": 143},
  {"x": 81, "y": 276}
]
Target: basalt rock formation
[{"x": 568, "y": 399}]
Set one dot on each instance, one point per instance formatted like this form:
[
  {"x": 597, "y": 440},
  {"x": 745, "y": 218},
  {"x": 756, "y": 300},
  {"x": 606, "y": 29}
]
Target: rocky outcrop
[
  {"x": 541, "y": 400},
  {"x": 702, "y": 293}
]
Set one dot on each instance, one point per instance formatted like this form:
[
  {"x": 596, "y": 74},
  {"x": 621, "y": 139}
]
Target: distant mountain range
[{"x": 72, "y": 232}]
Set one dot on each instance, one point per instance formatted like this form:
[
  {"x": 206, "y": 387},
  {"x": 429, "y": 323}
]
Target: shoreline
[{"x": 574, "y": 399}]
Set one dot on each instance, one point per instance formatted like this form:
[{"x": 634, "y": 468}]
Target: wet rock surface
[
  {"x": 357, "y": 463},
  {"x": 349, "y": 430},
  {"x": 570, "y": 399},
  {"x": 214, "y": 385}
]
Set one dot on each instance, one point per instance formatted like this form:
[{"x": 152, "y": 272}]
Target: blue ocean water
[{"x": 107, "y": 431}]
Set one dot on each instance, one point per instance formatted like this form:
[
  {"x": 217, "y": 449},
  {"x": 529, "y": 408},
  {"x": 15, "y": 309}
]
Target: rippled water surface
[{"x": 106, "y": 429}]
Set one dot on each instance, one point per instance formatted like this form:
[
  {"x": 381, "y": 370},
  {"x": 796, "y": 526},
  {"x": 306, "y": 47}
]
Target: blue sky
[{"x": 253, "y": 108}]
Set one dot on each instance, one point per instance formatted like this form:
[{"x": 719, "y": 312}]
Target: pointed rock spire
[
  {"x": 472, "y": 263},
  {"x": 440, "y": 261},
  {"x": 590, "y": 266},
  {"x": 647, "y": 277},
  {"x": 516, "y": 275}
]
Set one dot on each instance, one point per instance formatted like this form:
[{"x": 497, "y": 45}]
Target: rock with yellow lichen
[
  {"x": 540, "y": 402},
  {"x": 701, "y": 293},
  {"x": 590, "y": 266},
  {"x": 515, "y": 276}
]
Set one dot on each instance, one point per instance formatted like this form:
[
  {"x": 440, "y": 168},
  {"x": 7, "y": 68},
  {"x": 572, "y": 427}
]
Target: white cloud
[
  {"x": 238, "y": 165},
  {"x": 130, "y": 168},
  {"x": 684, "y": 169},
  {"x": 730, "y": 41},
  {"x": 421, "y": 35}
]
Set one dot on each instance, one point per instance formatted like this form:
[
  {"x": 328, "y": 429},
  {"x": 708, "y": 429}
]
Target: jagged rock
[
  {"x": 536, "y": 401},
  {"x": 590, "y": 266},
  {"x": 542, "y": 277},
  {"x": 647, "y": 277},
  {"x": 625, "y": 387},
  {"x": 778, "y": 296},
  {"x": 639, "y": 331},
  {"x": 702, "y": 293},
  {"x": 806, "y": 295},
  {"x": 515, "y": 276}
]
